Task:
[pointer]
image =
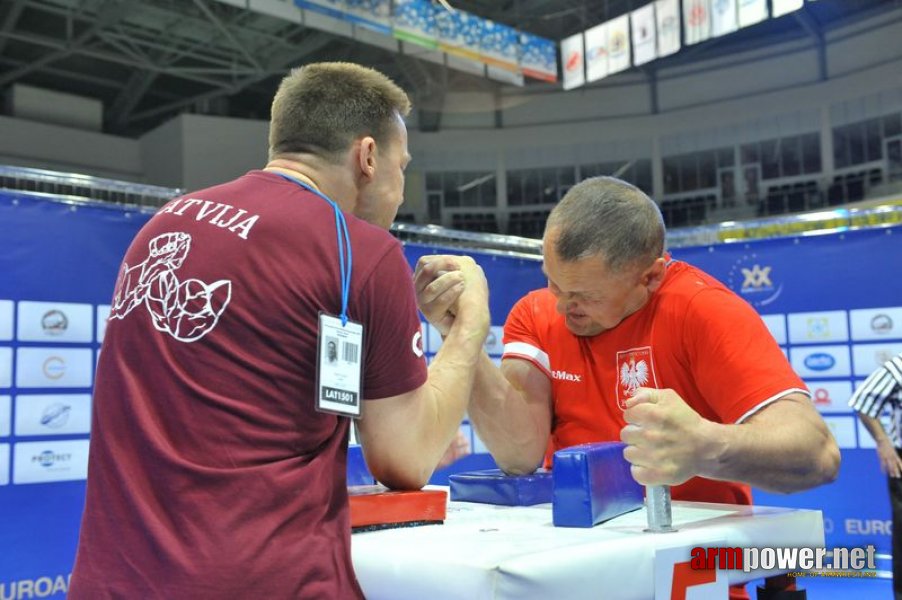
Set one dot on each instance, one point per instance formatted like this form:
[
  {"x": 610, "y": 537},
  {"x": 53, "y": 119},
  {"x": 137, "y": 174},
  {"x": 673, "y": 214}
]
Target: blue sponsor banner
[
  {"x": 827, "y": 299},
  {"x": 840, "y": 312},
  {"x": 58, "y": 263}
]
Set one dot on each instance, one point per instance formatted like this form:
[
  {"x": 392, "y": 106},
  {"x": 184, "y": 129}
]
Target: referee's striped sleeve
[{"x": 878, "y": 388}]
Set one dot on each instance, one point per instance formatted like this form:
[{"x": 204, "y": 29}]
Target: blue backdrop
[{"x": 834, "y": 303}]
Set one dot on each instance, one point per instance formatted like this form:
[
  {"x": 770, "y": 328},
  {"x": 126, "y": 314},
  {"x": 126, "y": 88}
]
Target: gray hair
[{"x": 608, "y": 217}]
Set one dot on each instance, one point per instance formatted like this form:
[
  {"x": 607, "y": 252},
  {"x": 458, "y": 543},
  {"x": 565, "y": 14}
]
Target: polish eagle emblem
[{"x": 633, "y": 375}]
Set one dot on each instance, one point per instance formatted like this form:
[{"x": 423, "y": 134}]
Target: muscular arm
[
  {"x": 784, "y": 447},
  {"x": 510, "y": 407},
  {"x": 511, "y": 411},
  {"x": 890, "y": 463},
  {"x": 403, "y": 437}
]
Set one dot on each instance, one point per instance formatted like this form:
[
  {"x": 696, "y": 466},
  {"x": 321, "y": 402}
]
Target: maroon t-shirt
[{"x": 211, "y": 474}]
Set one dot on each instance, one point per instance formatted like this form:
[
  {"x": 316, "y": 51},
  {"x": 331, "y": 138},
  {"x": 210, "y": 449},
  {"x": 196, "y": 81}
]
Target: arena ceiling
[{"x": 148, "y": 60}]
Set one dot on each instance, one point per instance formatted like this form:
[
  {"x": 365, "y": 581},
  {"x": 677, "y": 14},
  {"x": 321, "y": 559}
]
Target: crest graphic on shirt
[
  {"x": 187, "y": 310},
  {"x": 635, "y": 369}
]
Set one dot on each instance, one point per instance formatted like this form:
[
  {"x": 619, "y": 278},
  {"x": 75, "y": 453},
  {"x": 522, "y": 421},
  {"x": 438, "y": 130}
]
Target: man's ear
[
  {"x": 653, "y": 276},
  {"x": 366, "y": 157}
]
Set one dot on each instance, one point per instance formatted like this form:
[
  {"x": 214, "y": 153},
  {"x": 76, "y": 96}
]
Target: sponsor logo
[
  {"x": 668, "y": 25},
  {"x": 54, "y": 367},
  {"x": 635, "y": 369},
  {"x": 49, "y": 459},
  {"x": 819, "y": 361},
  {"x": 574, "y": 61},
  {"x": 882, "y": 324},
  {"x": 565, "y": 376},
  {"x": 822, "y": 396},
  {"x": 596, "y": 53},
  {"x": 697, "y": 15},
  {"x": 39, "y": 587},
  {"x": 754, "y": 281},
  {"x": 883, "y": 356},
  {"x": 56, "y": 415},
  {"x": 54, "y": 322},
  {"x": 618, "y": 43},
  {"x": 490, "y": 340},
  {"x": 818, "y": 328}
]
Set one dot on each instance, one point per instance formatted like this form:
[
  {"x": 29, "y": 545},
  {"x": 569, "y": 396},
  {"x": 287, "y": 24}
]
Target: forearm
[
  {"x": 875, "y": 428},
  {"x": 792, "y": 452},
  {"x": 440, "y": 411},
  {"x": 515, "y": 433}
]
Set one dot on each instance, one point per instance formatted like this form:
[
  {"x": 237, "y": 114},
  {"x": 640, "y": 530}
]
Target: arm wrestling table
[{"x": 494, "y": 552}]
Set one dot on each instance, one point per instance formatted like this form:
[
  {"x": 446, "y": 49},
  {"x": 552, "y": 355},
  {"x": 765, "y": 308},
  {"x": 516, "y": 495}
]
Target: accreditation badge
[{"x": 339, "y": 366}]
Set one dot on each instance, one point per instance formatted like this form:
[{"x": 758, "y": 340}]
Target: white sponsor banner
[
  {"x": 826, "y": 326},
  {"x": 843, "y": 429},
  {"x": 597, "y": 52},
  {"x": 103, "y": 313},
  {"x": 45, "y": 462},
  {"x": 667, "y": 19},
  {"x": 751, "y": 12},
  {"x": 6, "y": 320},
  {"x": 572, "y": 58},
  {"x": 54, "y": 367},
  {"x": 493, "y": 344},
  {"x": 57, "y": 414},
  {"x": 830, "y": 396},
  {"x": 619, "y": 44},
  {"x": 723, "y": 17},
  {"x": 876, "y": 323},
  {"x": 4, "y": 464},
  {"x": 868, "y": 357},
  {"x": 5, "y": 415},
  {"x": 6, "y": 367},
  {"x": 696, "y": 21},
  {"x": 821, "y": 361},
  {"x": 55, "y": 322},
  {"x": 782, "y": 7},
  {"x": 776, "y": 324},
  {"x": 642, "y": 21},
  {"x": 865, "y": 439}
]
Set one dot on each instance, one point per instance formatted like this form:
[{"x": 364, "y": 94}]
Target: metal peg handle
[{"x": 657, "y": 508}]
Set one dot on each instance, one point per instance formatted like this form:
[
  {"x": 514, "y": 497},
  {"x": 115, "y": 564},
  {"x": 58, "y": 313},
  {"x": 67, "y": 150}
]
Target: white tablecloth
[{"x": 495, "y": 552}]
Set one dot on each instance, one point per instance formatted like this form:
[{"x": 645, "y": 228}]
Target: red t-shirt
[
  {"x": 694, "y": 336},
  {"x": 211, "y": 474}
]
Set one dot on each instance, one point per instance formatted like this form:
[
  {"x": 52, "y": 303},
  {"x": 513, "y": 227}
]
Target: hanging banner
[
  {"x": 414, "y": 22},
  {"x": 499, "y": 46},
  {"x": 619, "y": 44},
  {"x": 751, "y": 12},
  {"x": 723, "y": 17},
  {"x": 667, "y": 19},
  {"x": 696, "y": 21},
  {"x": 330, "y": 8},
  {"x": 642, "y": 22},
  {"x": 597, "y": 52},
  {"x": 783, "y": 7},
  {"x": 572, "y": 53},
  {"x": 459, "y": 33},
  {"x": 538, "y": 57},
  {"x": 372, "y": 14}
]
